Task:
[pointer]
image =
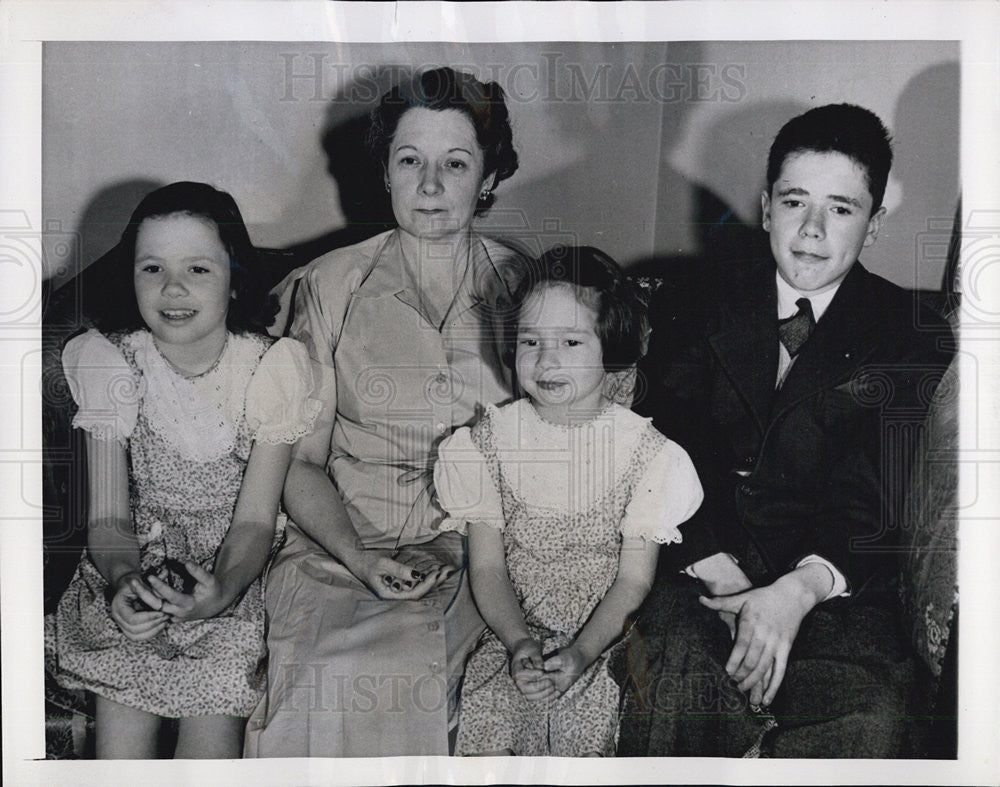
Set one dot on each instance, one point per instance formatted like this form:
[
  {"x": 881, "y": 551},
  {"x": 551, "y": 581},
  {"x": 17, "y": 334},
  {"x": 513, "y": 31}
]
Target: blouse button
[
  {"x": 441, "y": 427},
  {"x": 433, "y": 626}
]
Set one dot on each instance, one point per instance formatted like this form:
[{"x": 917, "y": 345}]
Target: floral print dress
[
  {"x": 563, "y": 498},
  {"x": 188, "y": 442}
]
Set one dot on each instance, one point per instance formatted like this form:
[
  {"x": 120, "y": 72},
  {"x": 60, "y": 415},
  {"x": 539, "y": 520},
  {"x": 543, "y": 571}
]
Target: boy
[{"x": 787, "y": 394}]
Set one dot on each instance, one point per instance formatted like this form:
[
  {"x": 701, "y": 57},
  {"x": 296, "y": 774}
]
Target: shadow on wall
[
  {"x": 926, "y": 143},
  {"x": 361, "y": 190},
  {"x": 97, "y": 231},
  {"x": 728, "y": 209},
  {"x": 734, "y": 154},
  {"x": 733, "y": 158},
  {"x": 63, "y": 469},
  {"x": 732, "y": 165}
]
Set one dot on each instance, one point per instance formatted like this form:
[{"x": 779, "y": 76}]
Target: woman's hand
[
  {"x": 136, "y": 608},
  {"x": 425, "y": 562},
  {"x": 388, "y": 578},
  {"x": 208, "y": 598},
  {"x": 564, "y": 667},
  {"x": 527, "y": 670}
]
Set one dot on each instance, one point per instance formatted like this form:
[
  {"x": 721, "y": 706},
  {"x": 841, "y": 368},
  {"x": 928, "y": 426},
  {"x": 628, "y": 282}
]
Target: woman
[{"x": 369, "y": 608}]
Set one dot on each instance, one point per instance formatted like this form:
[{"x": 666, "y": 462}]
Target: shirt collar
[
  {"x": 481, "y": 284},
  {"x": 788, "y": 295}
]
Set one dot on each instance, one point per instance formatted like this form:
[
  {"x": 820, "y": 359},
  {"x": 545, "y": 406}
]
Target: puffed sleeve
[
  {"x": 667, "y": 494},
  {"x": 284, "y": 395},
  {"x": 463, "y": 483},
  {"x": 104, "y": 387}
]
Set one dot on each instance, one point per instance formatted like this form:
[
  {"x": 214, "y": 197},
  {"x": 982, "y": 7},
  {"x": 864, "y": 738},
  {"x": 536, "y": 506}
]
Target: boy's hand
[
  {"x": 526, "y": 668},
  {"x": 565, "y": 667},
  {"x": 768, "y": 620},
  {"x": 136, "y": 609}
]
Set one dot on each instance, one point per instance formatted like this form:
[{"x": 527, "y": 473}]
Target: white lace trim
[
  {"x": 453, "y": 523},
  {"x": 461, "y": 526},
  {"x": 673, "y": 537},
  {"x": 192, "y": 414},
  {"x": 290, "y": 433},
  {"x": 578, "y": 422},
  {"x": 101, "y": 427}
]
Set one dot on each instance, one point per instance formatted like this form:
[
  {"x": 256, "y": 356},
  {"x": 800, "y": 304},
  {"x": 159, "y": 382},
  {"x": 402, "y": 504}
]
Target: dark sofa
[{"x": 927, "y": 551}]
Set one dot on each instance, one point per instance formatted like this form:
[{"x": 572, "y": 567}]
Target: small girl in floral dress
[
  {"x": 190, "y": 413},
  {"x": 566, "y": 497}
]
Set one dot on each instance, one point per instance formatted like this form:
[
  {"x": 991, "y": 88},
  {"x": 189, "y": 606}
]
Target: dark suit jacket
[{"x": 820, "y": 466}]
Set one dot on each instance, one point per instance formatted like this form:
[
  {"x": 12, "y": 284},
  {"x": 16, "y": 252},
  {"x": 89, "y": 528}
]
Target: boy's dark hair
[
  {"x": 250, "y": 309},
  {"x": 444, "y": 88},
  {"x": 599, "y": 282},
  {"x": 837, "y": 128}
]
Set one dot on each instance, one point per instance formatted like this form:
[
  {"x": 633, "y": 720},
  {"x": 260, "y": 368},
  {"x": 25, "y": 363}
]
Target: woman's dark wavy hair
[
  {"x": 597, "y": 281},
  {"x": 851, "y": 130},
  {"x": 250, "y": 308},
  {"x": 444, "y": 88}
]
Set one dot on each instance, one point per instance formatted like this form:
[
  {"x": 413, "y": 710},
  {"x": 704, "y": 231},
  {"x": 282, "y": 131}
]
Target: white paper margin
[{"x": 25, "y": 25}]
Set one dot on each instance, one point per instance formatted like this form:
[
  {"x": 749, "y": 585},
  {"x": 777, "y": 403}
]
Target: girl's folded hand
[
  {"x": 526, "y": 668},
  {"x": 137, "y": 609},
  {"x": 564, "y": 667},
  {"x": 206, "y": 600}
]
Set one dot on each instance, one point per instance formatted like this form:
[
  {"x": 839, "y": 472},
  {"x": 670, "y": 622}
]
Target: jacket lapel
[
  {"x": 747, "y": 347},
  {"x": 840, "y": 342}
]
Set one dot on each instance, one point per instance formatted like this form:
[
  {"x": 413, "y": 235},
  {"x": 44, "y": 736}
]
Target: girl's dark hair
[
  {"x": 598, "y": 281},
  {"x": 444, "y": 88},
  {"x": 250, "y": 308}
]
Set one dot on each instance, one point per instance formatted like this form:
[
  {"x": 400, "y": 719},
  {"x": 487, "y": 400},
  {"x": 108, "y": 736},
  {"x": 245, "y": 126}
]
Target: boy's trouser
[{"x": 849, "y": 689}]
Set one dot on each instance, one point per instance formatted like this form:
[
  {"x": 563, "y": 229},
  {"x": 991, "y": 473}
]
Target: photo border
[{"x": 29, "y": 24}]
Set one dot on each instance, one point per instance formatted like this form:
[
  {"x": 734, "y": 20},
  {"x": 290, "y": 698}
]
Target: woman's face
[{"x": 435, "y": 172}]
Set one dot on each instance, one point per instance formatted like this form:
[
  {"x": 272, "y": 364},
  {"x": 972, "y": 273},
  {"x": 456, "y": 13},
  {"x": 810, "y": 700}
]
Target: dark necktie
[{"x": 794, "y": 330}]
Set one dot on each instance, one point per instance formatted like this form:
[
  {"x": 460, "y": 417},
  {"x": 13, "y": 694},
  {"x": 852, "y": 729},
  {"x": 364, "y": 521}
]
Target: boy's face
[{"x": 819, "y": 217}]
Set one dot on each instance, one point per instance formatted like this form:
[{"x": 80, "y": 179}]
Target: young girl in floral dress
[
  {"x": 190, "y": 413},
  {"x": 566, "y": 497}
]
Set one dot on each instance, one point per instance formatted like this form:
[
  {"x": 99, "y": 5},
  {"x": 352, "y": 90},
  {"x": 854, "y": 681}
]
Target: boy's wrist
[{"x": 808, "y": 584}]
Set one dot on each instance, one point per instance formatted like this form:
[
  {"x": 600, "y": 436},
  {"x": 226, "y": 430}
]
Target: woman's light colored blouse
[{"x": 402, "y": 385}]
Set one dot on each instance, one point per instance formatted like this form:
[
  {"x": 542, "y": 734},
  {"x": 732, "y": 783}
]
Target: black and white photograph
[{"x": 432, "y": 392}]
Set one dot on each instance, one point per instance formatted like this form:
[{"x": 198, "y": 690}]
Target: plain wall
[{"x": 628, "y": 147}]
